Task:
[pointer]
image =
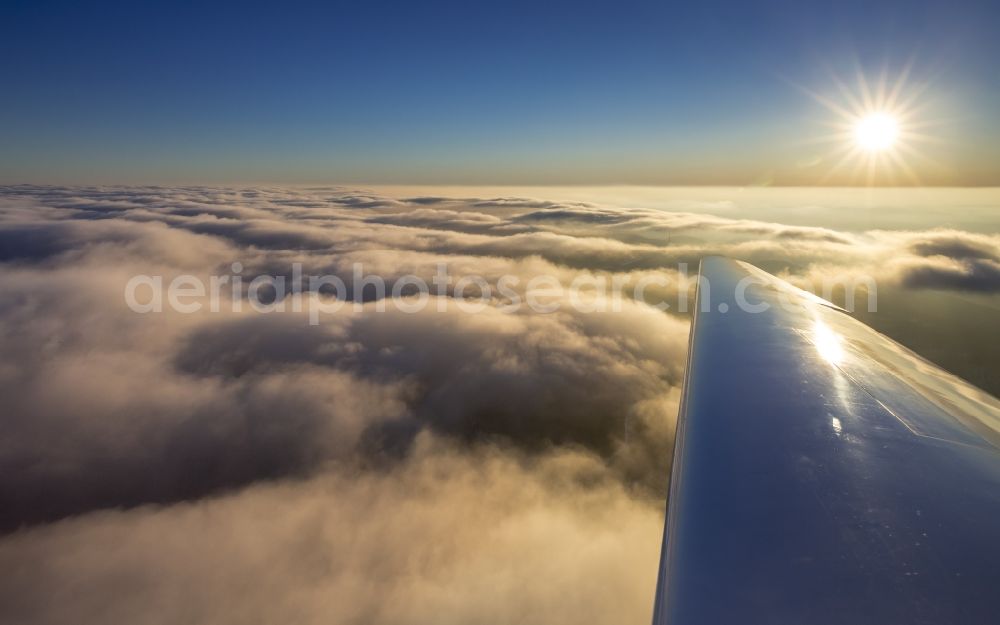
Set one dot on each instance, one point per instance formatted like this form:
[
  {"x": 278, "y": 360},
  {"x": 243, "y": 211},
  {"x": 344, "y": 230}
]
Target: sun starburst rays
[{"x": 876, "y": 130}]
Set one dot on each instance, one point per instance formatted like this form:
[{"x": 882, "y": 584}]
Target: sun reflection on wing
[{"x": 827, "y": 343}]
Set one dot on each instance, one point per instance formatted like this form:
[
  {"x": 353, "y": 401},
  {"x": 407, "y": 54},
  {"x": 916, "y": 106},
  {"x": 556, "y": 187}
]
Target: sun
[{"x": 876, "y": 132}]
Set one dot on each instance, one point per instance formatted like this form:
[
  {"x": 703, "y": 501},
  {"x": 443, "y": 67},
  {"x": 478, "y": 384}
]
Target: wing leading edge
[{"x": 823, "y": 473}]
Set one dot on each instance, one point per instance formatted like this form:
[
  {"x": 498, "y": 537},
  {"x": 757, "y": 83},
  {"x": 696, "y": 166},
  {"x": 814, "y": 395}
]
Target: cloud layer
[{"x": 379, "y": 467}]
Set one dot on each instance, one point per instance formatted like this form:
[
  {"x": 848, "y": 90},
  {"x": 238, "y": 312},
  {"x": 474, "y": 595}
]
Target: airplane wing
[{"x": 823, "y": 473}]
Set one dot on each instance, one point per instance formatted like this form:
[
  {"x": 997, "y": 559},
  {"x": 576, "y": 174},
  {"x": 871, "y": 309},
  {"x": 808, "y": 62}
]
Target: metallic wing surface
[{"x": 824, "y": 474}]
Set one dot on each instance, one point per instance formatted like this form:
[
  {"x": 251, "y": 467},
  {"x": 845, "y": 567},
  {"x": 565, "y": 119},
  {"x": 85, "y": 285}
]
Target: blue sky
[{"x": 468, "y": 93}]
